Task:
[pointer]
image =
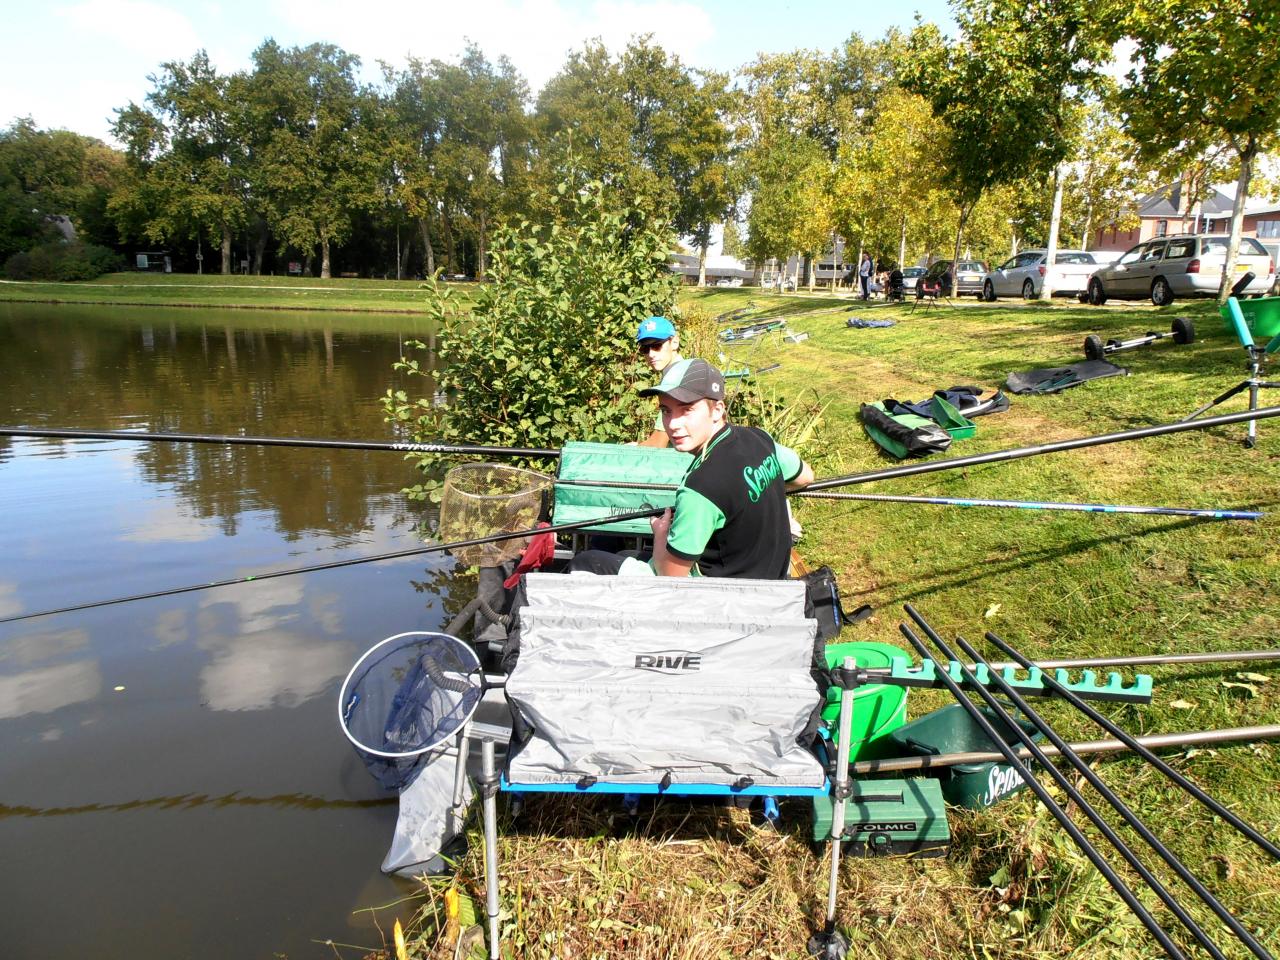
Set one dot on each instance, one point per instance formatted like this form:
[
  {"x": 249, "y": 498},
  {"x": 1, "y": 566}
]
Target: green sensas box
[
  {"x": 616, "y": 463},
  {"x": 884, "y": 817}
]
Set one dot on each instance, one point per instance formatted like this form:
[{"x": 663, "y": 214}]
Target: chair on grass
[{"x": 929, "y": 292}]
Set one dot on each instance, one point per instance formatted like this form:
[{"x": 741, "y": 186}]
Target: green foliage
[
  {"x": 58, "y": 260},
  {"x": 546, "y": 354}
]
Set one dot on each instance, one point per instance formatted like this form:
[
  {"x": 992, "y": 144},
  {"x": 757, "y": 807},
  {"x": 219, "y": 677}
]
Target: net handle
[{"x": 438, "y": 676}]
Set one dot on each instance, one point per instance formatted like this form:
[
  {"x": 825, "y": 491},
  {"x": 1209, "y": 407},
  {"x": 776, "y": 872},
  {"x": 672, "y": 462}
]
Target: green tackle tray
[
  {"x": 1261, "y": 316},
  {"x": 878, "y": 709},
  {"x": 884, "y": 817},
  {"x": 616, "y": 463},
  {"x": 952, "y": 730},
  {"x": 951, "y": 420}
]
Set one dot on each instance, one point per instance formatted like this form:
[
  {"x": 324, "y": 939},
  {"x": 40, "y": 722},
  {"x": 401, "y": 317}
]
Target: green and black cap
[{"x": 688, "y": 380}]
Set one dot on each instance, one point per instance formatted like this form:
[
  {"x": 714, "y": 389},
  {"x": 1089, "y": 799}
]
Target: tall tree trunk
[
  {"x": 324, "y": 256},
  {"x": 702, "y": 263},
  {"x": 813, "y": 270},
  {"x": 1051, "y": 250},
  {"x": 226, "y": 249},
  {"x": 259, "y": 247},
  {"x": 1088, "y": 225},
  {"x": 1248, "y": 154},
  {"x": 480, "y": 246},
  {"x": 450, "y": 253},
  {"x": 406, "y": 252},
  {"x": 306, "y": 263},
  {"x": 428, "y": 251},
  {"x": 965, "y": 211},
  {"x": 902, "y": 242}
]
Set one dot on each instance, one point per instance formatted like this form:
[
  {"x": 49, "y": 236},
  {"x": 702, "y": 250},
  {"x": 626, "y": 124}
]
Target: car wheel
[
  {"x": 1028, "y": 290},
  {"x": 1097, "y": 296},
  {"x": 1161, "y": 294},
  {"x": 988, "y": 292}
]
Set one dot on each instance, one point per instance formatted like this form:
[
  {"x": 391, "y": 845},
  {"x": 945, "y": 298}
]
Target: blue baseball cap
[{"x": 655, "y": 328}]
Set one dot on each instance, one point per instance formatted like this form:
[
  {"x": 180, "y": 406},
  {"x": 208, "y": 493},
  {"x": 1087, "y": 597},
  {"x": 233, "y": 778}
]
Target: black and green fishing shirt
[{"x": 731, "y": 509}]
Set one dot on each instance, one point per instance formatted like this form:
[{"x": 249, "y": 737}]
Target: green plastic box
[
  {"x": 878, "y": 709},
  {"x": 616, "y": 463},
  {"x": 886, "y": 817},
  {"x": 1261, "y": 316},
  {"x": 952, "y": 730}
]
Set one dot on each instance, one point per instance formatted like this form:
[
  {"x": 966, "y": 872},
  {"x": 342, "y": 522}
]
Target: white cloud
[
  {"x": 36, "y": 647},
  {"x": 152, "y": 30},
  {"x": 48, "y": 688},
  {"x": 263, "y": 605},
  {"x": 536, "y": 35},
  {"x": 10, "y": 605},
  {"x": 277, "y": 669},
  {"x": 163, "y": 525}
]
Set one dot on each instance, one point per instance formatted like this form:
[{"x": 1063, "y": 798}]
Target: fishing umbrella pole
[{"x": 234, "y": 439}]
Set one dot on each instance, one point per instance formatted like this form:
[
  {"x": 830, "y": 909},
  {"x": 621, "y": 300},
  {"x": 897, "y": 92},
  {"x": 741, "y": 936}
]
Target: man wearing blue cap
[
  {"x": 659, "y": 347},
  {"x": 730, "y": 517}
]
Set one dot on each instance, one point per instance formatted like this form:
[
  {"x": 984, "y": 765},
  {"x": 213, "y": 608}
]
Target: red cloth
[{"x": 541, "y": 549}]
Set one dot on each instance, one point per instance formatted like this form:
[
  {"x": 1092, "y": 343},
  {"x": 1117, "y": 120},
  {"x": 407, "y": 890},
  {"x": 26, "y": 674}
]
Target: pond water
[{"x": 173, "y": 779}]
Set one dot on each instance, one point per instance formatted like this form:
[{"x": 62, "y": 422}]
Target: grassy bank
[
  {"x": 259, "y": 293},
  {"x": 705, "y": 882}
]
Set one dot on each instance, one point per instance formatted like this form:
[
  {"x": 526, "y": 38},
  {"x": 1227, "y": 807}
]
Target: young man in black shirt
[{"x": 730, "y": 517}]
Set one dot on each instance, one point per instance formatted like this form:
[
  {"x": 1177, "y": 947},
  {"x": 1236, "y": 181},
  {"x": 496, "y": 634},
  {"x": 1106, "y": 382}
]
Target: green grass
[
  {"x": 263, "y": 293},
  {"x": 704, "y": 882}
]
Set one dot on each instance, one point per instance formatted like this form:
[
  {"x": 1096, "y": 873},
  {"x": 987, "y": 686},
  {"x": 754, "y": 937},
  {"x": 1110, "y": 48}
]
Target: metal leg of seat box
[
  {"x": 829, "y": 943},
  {"x": 489, "y": 786}
]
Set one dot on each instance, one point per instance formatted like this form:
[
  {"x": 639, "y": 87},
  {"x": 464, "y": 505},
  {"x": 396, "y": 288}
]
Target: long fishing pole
[
  {"x": 1042, "y": 794},
  {"x": 1000, "y": 456},
  {"x": 1155, "y": 741},
  {"x": 1111, "y": 797},
  {"x": 1038, "y": 505},
  {"x": 1051, "y": 683},
  {"x": 1135, "y": 660},
  {"x": 235, "y": 439},
  {"x": 333, "y": 564}
]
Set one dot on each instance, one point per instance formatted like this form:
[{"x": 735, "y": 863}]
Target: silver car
[
  {"x": 1184, "y": 265},
  {"x": 1023, "y": 275}
]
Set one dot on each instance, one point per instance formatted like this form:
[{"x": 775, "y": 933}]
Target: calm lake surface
[{"x": 173, "y": 779}]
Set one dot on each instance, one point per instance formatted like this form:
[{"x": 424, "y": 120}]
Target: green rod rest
[{"x": 903, "y": 673}]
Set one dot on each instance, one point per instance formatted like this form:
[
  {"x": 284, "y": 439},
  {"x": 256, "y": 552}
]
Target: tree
[
  {"x": 316, "y": 163},
  {"x": 1005, "y": 89},
  {"x": 188, "y": 151},
  {"x": 1206, "y": 90}
]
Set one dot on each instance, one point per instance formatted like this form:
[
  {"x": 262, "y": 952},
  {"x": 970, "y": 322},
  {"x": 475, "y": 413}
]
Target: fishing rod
[
  {"x": 1190, "y": 738},
  {"x": 333, "y": 564},
  {"x": 1136, "y": 660},
  {"x": 1038, "y": 505},
  {"x": 1103, "y": 790},
  {"x": 1046, "y": 799},
  {"x": 234, "y": 439},
  {"x": 1051, "y": 682},
  {"x": 1000, "y": 456}
]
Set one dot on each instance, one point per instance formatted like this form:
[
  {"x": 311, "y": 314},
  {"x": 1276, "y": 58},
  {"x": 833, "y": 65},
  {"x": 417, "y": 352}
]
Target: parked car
[
  {"x": 909, "y": 277},
  {"x": 1183, "y": 265},
  {"x": 968, "y": 277},
  {"x": 729, "y": 282},
  {"x": 1023, "y": 275}
]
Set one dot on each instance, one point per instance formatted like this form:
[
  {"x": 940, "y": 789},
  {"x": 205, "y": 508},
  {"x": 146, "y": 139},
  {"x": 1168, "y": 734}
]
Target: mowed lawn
[{"x": 706, "y": 882}]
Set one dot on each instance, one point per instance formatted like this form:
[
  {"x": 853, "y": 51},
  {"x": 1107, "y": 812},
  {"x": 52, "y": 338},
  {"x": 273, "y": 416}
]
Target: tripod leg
[
  {"x": 1252, "y": 437},
  {"x": 1238, "y": 388}
]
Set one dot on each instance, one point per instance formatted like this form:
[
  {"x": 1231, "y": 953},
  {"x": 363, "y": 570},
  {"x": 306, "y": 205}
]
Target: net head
[
  {"x": 481, "y": 499},
  {"x": 407, "y": 698}
]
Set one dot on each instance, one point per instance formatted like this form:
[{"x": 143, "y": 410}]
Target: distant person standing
[
  {"x": 659, "y": 345},
  {"x": 864, "y": 275}
]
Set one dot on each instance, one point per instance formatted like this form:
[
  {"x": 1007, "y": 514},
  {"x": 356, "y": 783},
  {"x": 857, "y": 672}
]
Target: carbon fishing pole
[
  {"x": 233, "y": 439},
  {"x": 1107, "y": 794},
  {"x": 1190, "y": 738},
  {"x": 1073, "y": 831},
  {"x": 1039, "y": 505},
  {"x": 1000, "y": 456},
  {"x": 1213, "y": 805},
  {"x": 333, "y": 564}
]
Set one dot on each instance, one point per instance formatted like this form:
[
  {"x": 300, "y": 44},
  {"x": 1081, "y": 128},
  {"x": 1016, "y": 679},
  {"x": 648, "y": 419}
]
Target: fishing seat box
[
  {"x": 616, "y": 463},
  {"x": 886, "y": 817},
  {"x": 951, "y": 730},
  {"x": 1261, "y": 316}
]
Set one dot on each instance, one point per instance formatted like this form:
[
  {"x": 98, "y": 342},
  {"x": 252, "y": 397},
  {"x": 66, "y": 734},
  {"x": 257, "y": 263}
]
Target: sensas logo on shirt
[{"x": 758, "y": 478}]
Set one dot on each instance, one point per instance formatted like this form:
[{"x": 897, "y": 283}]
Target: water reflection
[{"x": 195, "y": 731}]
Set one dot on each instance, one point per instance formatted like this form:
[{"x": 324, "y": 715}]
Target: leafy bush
[
  {"x": 546, "y": 354},
  {"x": 58, "y": 260}
]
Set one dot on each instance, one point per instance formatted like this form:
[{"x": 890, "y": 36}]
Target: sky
[{"x": 69, "y": 64}]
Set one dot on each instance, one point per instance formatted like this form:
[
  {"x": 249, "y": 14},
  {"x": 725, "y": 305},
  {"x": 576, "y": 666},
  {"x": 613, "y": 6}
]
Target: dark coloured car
[{"x": 968, "y": 277}]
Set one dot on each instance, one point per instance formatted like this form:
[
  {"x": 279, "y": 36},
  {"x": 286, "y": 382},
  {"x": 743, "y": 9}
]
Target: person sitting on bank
[
  {"x": 730, "y": 517},
  {"x": 659, "y": 347}
]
